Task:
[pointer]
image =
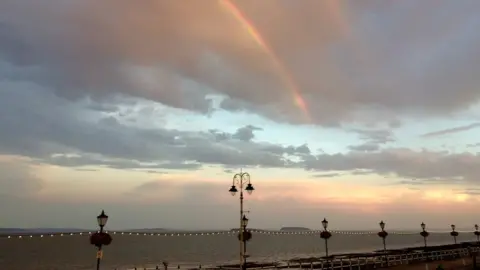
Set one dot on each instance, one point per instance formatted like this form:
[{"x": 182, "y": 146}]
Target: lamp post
[
  {"x": 325, "y": 235},
  {"x": 239, "y": 180},
  {"x": 477, "y": 233},
  {"x": 454, "y": 234},
  {"x": 100, "y": 238},
  {"x": 383, "y": 234},
  {"x": 424, "y": 234}
]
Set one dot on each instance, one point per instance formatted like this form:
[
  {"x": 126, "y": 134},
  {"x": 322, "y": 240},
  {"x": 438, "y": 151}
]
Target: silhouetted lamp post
[
  {"x": 325, "y": 235},
  {"x": 383, "y": 234},
  {"x": 477, "y": 233},
  {"x": 241, "y": 179},
  {"x": 100, "y": 238},
  {"x": 454, "y": 234},
  {"x": 424, "y": 234}
]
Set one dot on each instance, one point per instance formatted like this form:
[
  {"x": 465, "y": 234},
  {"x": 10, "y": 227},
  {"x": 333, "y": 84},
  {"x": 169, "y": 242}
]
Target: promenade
[{"x": 458, "y": 256}]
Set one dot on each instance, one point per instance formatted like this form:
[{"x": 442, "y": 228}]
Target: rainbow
[{"x": 255, "y": 35}]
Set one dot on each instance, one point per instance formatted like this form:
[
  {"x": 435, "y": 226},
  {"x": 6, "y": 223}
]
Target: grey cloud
[
  {"x": 245, "y": 133},
  {"x": 98, "y": 160},
  {"x": 156, "y": 172},
  {"x": 40, "y": 125},
  {"x": 86, "y": 170},
  {"x": 299, "y": 150},
  {"x": 431, "y": 181},
  {"x": 375, "y": 135},
  {"x": 219, "y": 135},
  {"x": 327, "y": 175},
  {"x": 362, "y": 172},
  {"x": 420, "y": 165},
  {"x": 374, "y": 139},
  {"x": 410, "y": 183},
  {"x": 367, "y": 147},
  {"x": 451, "y": 130},
  {"x": 49, "y": 129},
  {"x": 183, "y": 55}
]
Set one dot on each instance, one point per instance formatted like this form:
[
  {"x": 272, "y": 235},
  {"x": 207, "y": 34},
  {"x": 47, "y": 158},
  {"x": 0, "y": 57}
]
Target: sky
[{"x": 356, "y": 111}]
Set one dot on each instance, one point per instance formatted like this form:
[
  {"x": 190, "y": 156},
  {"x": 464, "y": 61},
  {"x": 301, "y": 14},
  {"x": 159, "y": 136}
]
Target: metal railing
[{"x": 343, "y": 262}]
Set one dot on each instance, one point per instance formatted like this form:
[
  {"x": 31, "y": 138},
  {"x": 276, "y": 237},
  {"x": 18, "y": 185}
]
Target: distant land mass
[
  {"x": 253, "y": 229},
  {"x": 294, "y": 229}
]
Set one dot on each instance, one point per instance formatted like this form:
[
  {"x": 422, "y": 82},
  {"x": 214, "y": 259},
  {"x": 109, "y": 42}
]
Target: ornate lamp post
[
  {"x": 239, "y": 180},
  {"x": 424, "y": 234},
  {"x": 383, "y": 234},
  {"x": 454, "y": 234},
  {"x": 100, "y": 238},
  {"x": 477, "y": 233},
  {"x": 325, "y": 235}
]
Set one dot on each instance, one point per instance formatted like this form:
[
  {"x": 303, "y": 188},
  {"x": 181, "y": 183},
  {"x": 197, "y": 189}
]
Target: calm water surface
[{"x": 126, "y": 251}]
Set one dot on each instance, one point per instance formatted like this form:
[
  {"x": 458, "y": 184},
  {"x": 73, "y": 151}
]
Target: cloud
[
  {"x": 180, "y": 57},
  {"x": 373, "y": 139},
  {"x": 327, "y": 175},
  {"x": 39, "y": 125},
  {"x": 366, "y": 147},
  {"x": 451, "y": 130},
  {"x": 405, "y": 163},
  {"x": 245, "y": 133}
]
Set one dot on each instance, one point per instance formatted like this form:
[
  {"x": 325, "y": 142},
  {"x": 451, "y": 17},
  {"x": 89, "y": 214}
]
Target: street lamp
[
  {"x": 477, "y": 233},
  {"x": 454, "y": 234},
  {"x": 239, "y": 180},
  {"x": 100, "y": 238},
  {"x": 325, "y": 235},
  {"x": 244, "y": 221},
  {"x": 424, "y": 234},
  {"x": 383, "y": 234},
  {"x": 102, "y": 220}
]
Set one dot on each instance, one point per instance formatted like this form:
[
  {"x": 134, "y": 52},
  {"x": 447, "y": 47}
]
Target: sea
[{"x": 192, "y": 249}]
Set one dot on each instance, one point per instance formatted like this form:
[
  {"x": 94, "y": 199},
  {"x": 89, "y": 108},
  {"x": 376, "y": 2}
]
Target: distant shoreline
[{"x": 35, "y": 231}]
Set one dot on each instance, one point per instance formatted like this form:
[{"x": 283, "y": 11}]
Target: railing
[{"x": 343, "y": 263}]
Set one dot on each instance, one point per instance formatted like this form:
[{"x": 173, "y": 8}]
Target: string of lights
[{"x": 233, "y": 233}]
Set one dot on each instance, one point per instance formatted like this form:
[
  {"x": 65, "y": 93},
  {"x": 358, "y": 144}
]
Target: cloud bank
[{"x": 348, "y": 65}]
